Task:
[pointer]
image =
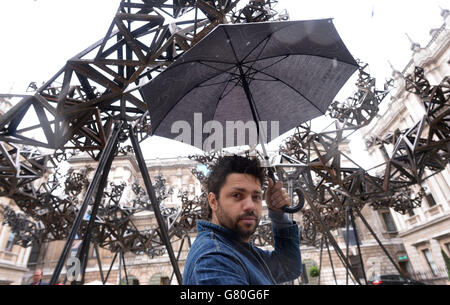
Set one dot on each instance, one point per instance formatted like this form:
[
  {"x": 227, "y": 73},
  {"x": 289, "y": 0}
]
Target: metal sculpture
[{"x": 19, "y": 165}]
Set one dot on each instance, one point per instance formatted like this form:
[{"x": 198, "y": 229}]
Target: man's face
[
  {"x": 239, "y": 205},
  {"x": 37, "y": 276}
]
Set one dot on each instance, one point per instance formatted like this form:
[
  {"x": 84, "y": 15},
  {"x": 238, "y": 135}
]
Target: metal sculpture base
[{"x": 96, "y": 187}]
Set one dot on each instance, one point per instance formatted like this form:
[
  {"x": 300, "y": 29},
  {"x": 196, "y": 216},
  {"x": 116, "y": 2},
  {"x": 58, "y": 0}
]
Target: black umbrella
[{"x": 281, "y": 73}]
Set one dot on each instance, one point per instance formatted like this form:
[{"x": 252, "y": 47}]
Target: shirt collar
[{"x": 203, "y": 225}]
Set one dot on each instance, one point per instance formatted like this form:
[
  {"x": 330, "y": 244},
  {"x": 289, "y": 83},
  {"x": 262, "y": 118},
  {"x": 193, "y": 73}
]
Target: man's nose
[{"x": 248, "y": 204}]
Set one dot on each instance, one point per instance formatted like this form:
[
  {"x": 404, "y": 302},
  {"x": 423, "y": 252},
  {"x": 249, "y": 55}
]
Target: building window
[
  {"x": 430, "y": 200},
  {"x": 351, "y": 236},
  {"x": 430, "y": 261},
  {"x": 10, "y": 243},
  {"x": 34, "y": 254},
  {"x": 389, "y": 222}
]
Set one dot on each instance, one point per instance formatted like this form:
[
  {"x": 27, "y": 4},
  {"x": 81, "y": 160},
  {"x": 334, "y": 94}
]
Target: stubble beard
[{"x": 243, "y": 230}]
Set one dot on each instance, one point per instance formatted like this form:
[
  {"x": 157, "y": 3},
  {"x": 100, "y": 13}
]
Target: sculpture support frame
[{"x": 99, "y": 180}]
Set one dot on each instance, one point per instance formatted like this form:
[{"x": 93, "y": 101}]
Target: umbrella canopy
[{"x": 281, "y": 73}]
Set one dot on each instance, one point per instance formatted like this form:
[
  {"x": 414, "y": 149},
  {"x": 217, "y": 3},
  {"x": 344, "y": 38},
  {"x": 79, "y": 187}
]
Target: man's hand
[{"x": 276, "y": 196}]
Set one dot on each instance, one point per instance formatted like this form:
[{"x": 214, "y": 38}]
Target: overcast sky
[{"x": 39, "y": 36}]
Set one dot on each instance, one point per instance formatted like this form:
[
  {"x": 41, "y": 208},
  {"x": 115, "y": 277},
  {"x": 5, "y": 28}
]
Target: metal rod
[
  {"x": 124, "y": 267},
  {"x": 331, "y": 260},
  {"x": 346, "y": 242},
  {"x": 110, "y": 267},
  {"x": 151, "y": 194},
  {"x": 178, "y": 256},
  {"x": 352, "y": 217},
  {"x": 84, "y": 251},
  {"x": 378, "y": 241},
  {"x": 120, "y": 267},
  {"x": 320, "y": 259},
  {"x": 99, "y": 262}
]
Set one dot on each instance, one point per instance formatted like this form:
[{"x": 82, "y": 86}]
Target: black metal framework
[{"x": 96, "y": 187}]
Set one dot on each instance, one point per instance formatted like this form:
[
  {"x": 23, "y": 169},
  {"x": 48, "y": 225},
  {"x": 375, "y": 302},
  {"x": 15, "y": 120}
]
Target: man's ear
[{"x": 212, "y": 200}]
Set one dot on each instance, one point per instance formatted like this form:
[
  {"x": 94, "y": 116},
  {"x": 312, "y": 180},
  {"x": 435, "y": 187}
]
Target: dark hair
[{"x": 230, "y": 165}]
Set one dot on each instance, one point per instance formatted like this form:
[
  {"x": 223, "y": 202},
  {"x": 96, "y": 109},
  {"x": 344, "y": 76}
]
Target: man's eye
[
  {"x": 236, "y": 195},
  {"x": 257, "y": 197}
]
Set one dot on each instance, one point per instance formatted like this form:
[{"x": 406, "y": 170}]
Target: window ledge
[
  {"x": 434, "y": 210},
  {"x": 413, "y": 220}
]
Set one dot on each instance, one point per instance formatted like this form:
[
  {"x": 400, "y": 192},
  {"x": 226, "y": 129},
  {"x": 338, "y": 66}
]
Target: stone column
[{"x": 2, "y": 237}]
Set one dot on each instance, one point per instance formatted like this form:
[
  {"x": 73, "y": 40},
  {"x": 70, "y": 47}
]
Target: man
[
  {"x": 37, "y": 278},
  {"x": 222, "y": 253}
]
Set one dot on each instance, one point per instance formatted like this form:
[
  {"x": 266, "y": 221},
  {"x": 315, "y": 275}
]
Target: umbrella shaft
[
  {"x": 255, "y": 115},
  {"x": 249, "y": 97},
  {"x": 262, "y": 139}
]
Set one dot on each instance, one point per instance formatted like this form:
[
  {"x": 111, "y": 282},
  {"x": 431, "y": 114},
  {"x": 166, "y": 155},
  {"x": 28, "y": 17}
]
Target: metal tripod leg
[
  {"x": 83, "y": 254},
  {"x": 352, "y": 218},
  {"x": 151, "y": 194},
  {"x": 331, "y": 260},
  {"x": 346, "y": 242},
  {"x": 320, "y": 259},
  {"x": 90, "y": 191},
  {"x": 179, "y": 254},
  {"x": 99, "y": 263},
  {"x": 110, "y": 267},
  {"x": 124, "y": 267}
]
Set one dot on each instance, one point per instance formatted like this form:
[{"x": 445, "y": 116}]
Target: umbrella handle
[
  {"x": 301, "y": 198},
  {"x": 298, "y": 207}
]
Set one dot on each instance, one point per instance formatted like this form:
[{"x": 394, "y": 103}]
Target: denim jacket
[{"x": 219, "y": 257}]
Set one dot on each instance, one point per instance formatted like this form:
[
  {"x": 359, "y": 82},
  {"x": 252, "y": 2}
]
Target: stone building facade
[{"x": 425, "y": 230}]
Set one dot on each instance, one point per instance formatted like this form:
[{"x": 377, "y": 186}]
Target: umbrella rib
[
  {"x": 221, "y": 96},
  {"x": 235, "y": 77},
  {"x": 306, "y": 54},
  {"x": 266, "y": 39},
  {"x": 262, "y": 49},
  {"x": 272, "y": 64},
  {"x": 222, "y": 71},
  {"x": 213, "y": 84},
  {"x": 186, "y": 93},
  {"x": 231, "y": 44},
  {"x": 237, "y": 60},
  {"x": 276, "y": 78}
]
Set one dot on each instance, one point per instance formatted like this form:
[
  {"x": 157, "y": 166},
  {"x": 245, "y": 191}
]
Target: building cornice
[
  {"x": 425, "y": 57},
  {"x": 8, "y": 265},
  {"x": 425, "y": 225}
]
